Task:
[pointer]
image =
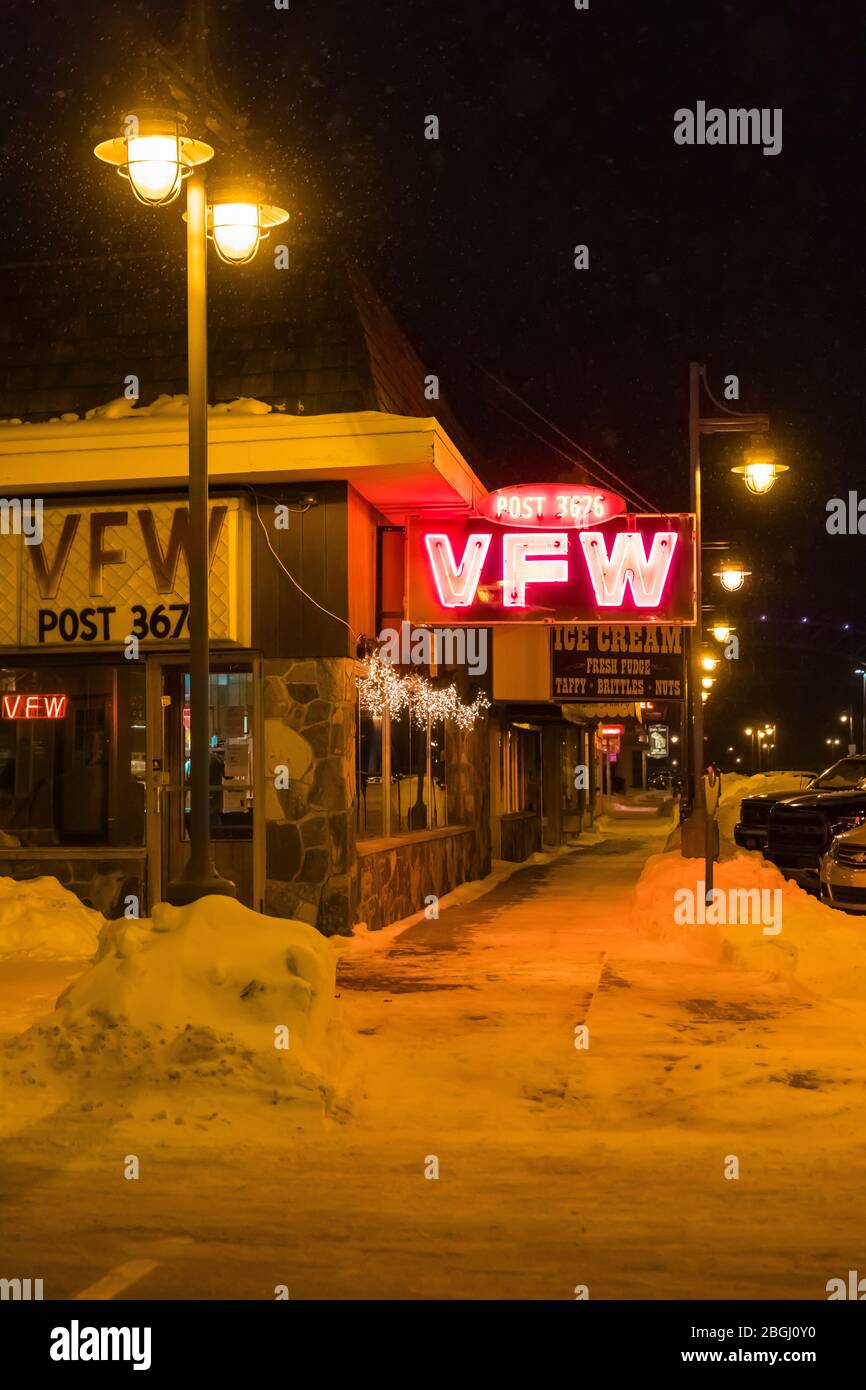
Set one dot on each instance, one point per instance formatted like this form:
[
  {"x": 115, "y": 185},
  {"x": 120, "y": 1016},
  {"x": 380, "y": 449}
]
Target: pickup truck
[
  {"x": 803, "y": 826},
  {"x": 752, "y": 828}
]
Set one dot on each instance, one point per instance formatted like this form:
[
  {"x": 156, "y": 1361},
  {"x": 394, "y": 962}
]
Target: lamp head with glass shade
[
  {"x": 731, "y": 576},
  {"x": 155, "y": 152},
  {"x": 239, "y": 219},
  {"x": 760, "y": 467},
  {"x": 721, "y": 631}
]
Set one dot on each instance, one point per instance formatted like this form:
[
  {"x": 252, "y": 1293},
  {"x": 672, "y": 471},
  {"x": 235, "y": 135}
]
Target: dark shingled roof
[{"x": 314, "y": 338}]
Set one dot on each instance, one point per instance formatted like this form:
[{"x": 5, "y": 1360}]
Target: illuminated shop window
[
  {"x": 416, "y": 788},
  {"x": 72, "y": 755}
]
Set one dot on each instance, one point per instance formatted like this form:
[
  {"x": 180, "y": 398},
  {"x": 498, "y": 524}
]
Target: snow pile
[
  {"x": 42, "y": 920},
  {"x": 735, "y": 787},
  {"x": 790, "y": 934},
  {"x": 172, "y": 407},
  {"x": 207, "y": 994}
]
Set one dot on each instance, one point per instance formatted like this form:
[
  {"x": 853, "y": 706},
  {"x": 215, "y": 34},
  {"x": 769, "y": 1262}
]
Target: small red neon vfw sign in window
[
  {"x": 34, "y": 706},
  {"x": 639, "y": 567}
]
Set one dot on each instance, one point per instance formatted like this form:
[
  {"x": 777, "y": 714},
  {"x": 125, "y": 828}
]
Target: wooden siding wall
[
  {"x": 315, "y": 550},
  {"x": 362, "y": 522}
]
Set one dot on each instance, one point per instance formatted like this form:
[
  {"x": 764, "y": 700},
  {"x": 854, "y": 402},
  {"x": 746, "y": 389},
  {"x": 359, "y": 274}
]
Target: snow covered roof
[
  {"x": 309, "y": 340},
  {"x": 309, "y": 374},
  {"x": 398, "y": 463}
]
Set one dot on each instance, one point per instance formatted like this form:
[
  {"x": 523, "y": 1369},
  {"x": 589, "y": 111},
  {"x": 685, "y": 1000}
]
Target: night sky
[{"x": 556, "y": 128}]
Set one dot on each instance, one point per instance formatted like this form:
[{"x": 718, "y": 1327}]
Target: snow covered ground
[
  {"x": 209, "y": 1002},
  {"x": 41, "y": 920},
  {"x": 558, "y": 1165}
]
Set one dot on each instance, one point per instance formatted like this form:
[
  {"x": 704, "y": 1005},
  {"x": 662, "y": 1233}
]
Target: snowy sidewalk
[{"x": 557, "y": 1166}]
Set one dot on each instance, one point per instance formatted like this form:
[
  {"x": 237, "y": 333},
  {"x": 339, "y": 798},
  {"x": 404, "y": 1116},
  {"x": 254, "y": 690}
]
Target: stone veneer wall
[
  {"x": 309, "y": 713},
  {"x": 313, "y": 871},
  {"x": 393, "y": 883}
]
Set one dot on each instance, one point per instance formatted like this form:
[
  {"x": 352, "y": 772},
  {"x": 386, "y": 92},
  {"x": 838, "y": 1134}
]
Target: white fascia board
[{"x": 374, "y": 451}]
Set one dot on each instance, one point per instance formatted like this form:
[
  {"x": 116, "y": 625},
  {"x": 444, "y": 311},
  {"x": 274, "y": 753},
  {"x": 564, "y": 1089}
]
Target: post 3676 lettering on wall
[
  {"x": 623, "y": 662},
  {"x": 109, "y": 570}
]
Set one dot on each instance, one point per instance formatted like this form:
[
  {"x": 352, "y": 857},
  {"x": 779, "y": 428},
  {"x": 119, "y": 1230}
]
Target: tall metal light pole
[
  {"x": 694, "y": 827},
  {"x": 157, "y": 154},
  {"x": 199, "y": 877}
]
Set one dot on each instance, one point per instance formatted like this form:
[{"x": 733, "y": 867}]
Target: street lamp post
[
  {"x": 861, "y": 672},
  {"x": 157, "y": 155},
  {"x": 694, "y": 829},
  {"x": 199, "y": 877},
  {"x": 848, "y": 718}
]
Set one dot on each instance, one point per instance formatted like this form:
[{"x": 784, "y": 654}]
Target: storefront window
[
  {"x": 416, "y": 787},
  {"x": 370, "y": 815},
  {"x": 519, "y": 770},
  {"x": 72, "y": 755}
]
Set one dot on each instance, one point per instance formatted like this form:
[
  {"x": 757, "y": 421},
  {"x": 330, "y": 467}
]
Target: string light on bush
[{"x": 381, "y": 688}]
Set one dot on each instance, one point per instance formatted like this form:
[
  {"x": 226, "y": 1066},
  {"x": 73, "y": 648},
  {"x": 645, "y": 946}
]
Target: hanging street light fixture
[
  {"x": 731, "y": 576},
  {"x": 760, "y": 467},
  {"x": 155, "y": 152},
  {"x": 239, "y": 220}
]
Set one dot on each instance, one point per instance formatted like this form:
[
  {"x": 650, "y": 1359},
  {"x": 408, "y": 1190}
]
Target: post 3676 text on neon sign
[{"x": 640, "y": 565}]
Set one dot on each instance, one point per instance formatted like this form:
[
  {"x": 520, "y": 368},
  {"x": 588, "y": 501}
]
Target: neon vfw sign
[{"x": 585, "y": 568}]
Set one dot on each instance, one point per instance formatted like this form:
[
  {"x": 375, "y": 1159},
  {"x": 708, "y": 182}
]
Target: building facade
[{"x": 332, "y": 800}]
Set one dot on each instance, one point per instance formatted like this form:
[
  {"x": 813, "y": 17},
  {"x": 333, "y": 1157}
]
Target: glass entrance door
[{"x": 232, "y": 784}]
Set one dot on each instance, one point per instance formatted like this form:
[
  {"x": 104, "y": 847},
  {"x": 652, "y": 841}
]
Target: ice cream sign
[{"x": 546, "y": 567}]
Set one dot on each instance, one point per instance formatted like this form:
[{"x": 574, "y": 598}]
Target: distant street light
[{"x": 732, "y": 577}]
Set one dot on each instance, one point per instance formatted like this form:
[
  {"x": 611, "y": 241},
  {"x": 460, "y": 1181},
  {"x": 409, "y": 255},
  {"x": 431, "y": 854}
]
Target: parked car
[
  {"x": 752, "y": 828},
  {"x": 659, "y": 781},
  {"x": 802, "y": 827},
  {"x": 843, "y": 871}
]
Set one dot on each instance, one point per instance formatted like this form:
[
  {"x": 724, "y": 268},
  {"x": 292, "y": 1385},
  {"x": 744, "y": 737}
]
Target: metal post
[
  {"x": 693, "y": 832},
  {"x": 387, "y": 828},
  {"x": 199, "y": 877}
]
